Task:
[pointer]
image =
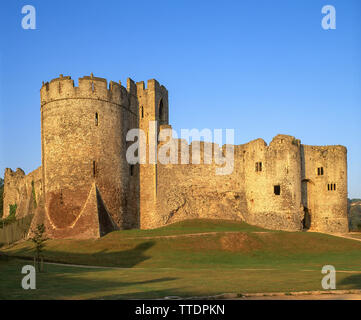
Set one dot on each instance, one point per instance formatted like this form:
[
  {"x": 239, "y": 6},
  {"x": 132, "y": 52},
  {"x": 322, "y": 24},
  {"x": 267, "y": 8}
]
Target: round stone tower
[{"x": 85, "y": 171}]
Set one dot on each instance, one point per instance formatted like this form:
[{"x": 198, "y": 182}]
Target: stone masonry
[{"x": 85, "y": 187}]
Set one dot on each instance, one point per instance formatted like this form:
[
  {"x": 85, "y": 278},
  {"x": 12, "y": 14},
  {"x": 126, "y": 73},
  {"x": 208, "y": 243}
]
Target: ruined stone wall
[
  {"x": 280, "y": 169},
  {"x": 189, "y": 191},
  {"x": 195, "y": 191},
  {"x": 276, "y": 187},
  {"x": 324, "y": 187},
  {"x": 83, "y": 142},
  {"x": 26, "y": 191}
]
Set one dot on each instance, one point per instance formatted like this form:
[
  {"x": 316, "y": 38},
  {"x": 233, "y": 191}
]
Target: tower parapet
[{"x": 89, "y": 87}]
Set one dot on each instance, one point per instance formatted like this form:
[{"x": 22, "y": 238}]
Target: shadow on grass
[
  {"x": 59, "y": 282},
  {"x": 70, "y": 282},
  {"x": 106, "y": 257},
  {"x": 352, "y": 282}
]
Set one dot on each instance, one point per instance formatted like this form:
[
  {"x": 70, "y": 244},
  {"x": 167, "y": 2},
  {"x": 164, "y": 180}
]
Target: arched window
[{"x": 96, "y": 118}]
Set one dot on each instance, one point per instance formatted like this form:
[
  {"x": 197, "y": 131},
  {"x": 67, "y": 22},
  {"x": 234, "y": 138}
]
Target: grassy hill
[
  {"x": 196, "y": 257},
  {"x": 201, "y": 243}
]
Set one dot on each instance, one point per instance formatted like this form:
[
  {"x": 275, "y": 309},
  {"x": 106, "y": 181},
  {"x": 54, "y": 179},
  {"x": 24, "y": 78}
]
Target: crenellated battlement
[
  {"x": 152, "y": 85},
  {"x": 89, "y": 87}
]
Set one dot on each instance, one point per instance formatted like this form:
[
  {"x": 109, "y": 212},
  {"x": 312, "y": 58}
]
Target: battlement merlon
[
  {"x": 89, "y": 87},
  {"x": 152, "y": 85},
  {"x": 131, "y": 87}
]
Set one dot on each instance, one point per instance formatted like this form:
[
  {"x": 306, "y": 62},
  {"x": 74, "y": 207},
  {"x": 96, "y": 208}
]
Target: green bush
[
  {"x": 12, "y": 209},
  {"x": 11, "y": 217}
]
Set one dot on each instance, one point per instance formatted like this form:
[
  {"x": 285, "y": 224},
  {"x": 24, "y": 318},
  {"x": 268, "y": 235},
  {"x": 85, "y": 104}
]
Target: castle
[{"x": 85, "y": 187}]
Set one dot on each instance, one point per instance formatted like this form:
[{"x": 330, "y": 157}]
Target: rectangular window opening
[
  {"x": 277, "y": 190},
  {"x": 258, "y": 166}
]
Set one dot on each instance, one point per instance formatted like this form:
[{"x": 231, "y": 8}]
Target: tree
[{"x": 39, "y": 241}]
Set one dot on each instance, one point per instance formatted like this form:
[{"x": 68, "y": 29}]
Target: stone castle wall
[
  {"x": 190, "y": 191},
  {"x": 86, "y": 188},
  {"x": 26, "y": 191},
  {"x": 187, "y": 191},
  {"x": 324, "y": 193}
]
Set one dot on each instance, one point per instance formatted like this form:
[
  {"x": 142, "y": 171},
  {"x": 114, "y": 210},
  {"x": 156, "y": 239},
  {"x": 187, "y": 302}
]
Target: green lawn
[{"x": 185, "y": 264}]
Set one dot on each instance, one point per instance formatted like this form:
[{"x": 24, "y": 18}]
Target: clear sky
[{"x": 260, "y": 67}]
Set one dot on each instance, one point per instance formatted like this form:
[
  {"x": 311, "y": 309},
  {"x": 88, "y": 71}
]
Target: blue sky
[{"x": 260, "y": 67}]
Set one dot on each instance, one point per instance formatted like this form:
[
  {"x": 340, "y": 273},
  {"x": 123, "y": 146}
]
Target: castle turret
[
  {"x": 83, "y": 147},
  {"x": 324, "y": 187},
  {"x": 273, "y": 183}
]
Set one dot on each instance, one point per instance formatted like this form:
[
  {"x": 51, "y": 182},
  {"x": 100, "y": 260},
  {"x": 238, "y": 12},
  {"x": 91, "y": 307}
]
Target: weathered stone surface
[
  {"x": 86, "y": 188},
  {"x": 23, "y": 190}
]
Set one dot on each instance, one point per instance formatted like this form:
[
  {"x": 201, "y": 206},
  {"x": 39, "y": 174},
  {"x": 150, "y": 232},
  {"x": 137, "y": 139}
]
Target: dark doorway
[{"x": 306, "y": 221}]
